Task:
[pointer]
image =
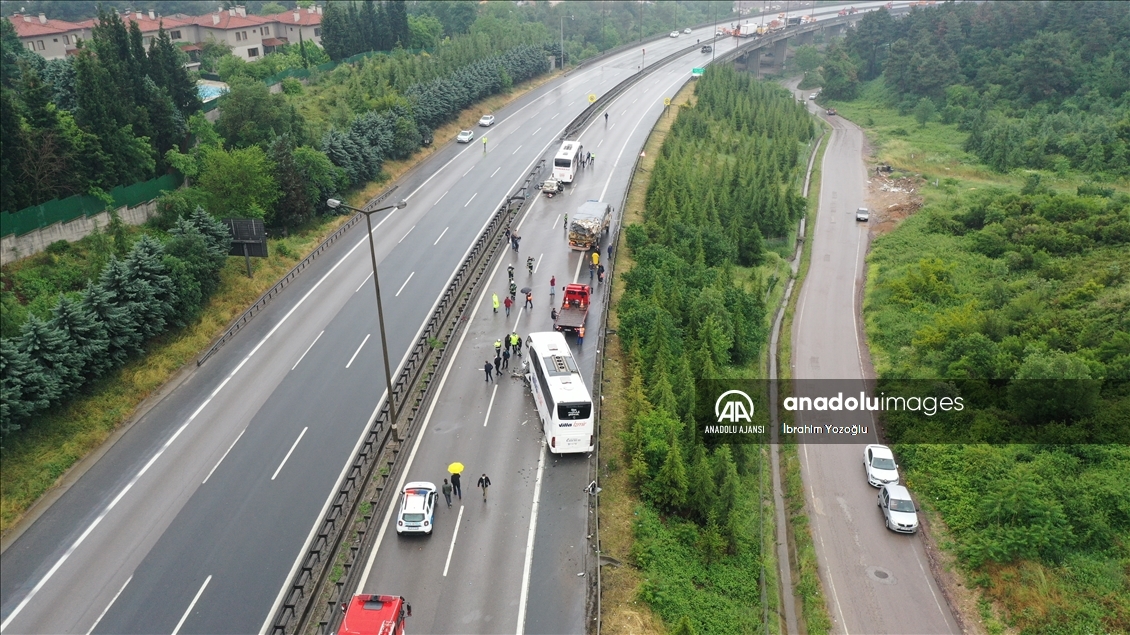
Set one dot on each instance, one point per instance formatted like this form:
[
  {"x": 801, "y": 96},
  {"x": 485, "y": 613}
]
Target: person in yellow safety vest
[{"x": 595, "y": 258}]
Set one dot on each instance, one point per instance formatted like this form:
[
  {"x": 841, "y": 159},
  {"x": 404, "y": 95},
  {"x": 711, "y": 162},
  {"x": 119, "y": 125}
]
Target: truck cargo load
[{"x": 587, "y": 224}]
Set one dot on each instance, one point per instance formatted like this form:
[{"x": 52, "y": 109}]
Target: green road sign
[{"x": 696, "y": 72}]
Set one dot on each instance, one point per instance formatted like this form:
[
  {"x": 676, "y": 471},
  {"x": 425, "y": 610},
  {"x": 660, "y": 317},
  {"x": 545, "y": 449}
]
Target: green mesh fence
[{"x": 67, "y": 209}]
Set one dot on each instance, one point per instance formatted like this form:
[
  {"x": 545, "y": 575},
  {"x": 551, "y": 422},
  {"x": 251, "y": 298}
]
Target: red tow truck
[
  {"x": 574, "y": 308},
  {"x": 374, "y": 615}
]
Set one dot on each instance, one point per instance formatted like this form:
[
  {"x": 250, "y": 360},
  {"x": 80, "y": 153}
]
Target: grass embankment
[
  {"x": 808, "y": 588},
  {"x": 991, "y": 280},
  {"x": 35, "y": 458}
]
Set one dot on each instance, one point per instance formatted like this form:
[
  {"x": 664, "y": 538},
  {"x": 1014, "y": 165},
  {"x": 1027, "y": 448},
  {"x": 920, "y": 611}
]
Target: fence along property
[{"x": 31, "y": 229}]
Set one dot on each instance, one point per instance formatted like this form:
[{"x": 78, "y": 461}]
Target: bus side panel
[{"x": 539, "y": 401}]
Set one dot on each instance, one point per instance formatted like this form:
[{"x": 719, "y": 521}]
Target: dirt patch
[{"x": 892, "y": 198}]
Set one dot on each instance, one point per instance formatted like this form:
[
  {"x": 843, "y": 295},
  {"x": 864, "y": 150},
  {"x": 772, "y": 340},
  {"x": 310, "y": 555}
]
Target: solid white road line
[
  {"x": 224, "y": 456},
  {"x": 518, "y": 316},
  {"x": 577, "y": 273},
  {"x": 406, "y": 281},
  {"x": 300, "y": 435},
  {"x": 310, "y": 347},
  {"x": 107, "y": 609},
  {"x": 366, "y": 279},
  {"x": 470, "y": 199},
  {"x": 491, "y": 404},
  {"x": 358, "y": 350},
  {"x": 441, "y": 234},
  {"x": 450, "y": 549},
  {"x": 555, "y": 219},
  {"x": 540, "y": 256},
  {"x": 525, "y": 594},
  {"x": 409, "y": 231},
  {"x": 189, "y": 610},
  {"x": 495, "y": 171}
]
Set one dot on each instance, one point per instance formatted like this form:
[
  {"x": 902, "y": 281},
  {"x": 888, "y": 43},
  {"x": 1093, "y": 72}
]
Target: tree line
[
  {"x": 727, "y": 169},
  {"x": 370, "y": 25},
  {"x": 152, "y": 288},
  {"x": 104, "y": 118},
  {"x": 1037, "y": 85}
]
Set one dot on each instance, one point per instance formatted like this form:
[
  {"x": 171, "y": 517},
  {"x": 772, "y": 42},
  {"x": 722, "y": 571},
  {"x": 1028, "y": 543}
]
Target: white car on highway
[
  {"x": 898, "y": 509},
  {"x": 879, "y": 464},
  {"x": 417, "y": 508},
  {"x": 465, "y": 136},
  {"x": 674, "y": 34},
  {"x": 687, "y": 30},
  {"x": 486, "y": 121}
]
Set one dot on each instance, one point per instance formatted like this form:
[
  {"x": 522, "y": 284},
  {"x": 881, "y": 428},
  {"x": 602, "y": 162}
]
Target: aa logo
[{"x": 733, "y": 406}]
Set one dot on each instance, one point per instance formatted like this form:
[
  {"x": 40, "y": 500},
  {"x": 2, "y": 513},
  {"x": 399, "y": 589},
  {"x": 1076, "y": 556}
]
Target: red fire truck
[{"x": 374, "y": 615}]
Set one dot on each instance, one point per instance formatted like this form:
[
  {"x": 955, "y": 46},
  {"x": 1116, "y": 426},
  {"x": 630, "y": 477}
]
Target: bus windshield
[
  {"x": 562, "y": 163},
  {"x": 574, "y": 411}
]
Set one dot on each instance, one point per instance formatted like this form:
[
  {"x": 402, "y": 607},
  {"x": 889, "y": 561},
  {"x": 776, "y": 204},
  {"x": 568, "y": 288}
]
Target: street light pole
[{"x": 334, "y": 203}]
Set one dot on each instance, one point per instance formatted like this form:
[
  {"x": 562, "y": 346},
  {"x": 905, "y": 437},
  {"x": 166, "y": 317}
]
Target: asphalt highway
[
  {"x": 194, "y": 519},
  {"x": 877, "y": 581}
]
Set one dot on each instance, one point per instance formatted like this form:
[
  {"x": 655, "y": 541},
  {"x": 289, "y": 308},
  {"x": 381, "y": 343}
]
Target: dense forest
[
  {"x": 727, "y": 173},
  {"x": 1038, "y": 85}
]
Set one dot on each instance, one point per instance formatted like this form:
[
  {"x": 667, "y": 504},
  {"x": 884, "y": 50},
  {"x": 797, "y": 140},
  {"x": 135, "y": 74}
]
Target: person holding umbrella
[
  {"x": 455, "y": 469},
  {"x": 529, "y": 297}
]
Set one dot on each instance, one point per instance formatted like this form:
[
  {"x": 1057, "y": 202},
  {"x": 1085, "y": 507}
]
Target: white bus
[
  {"x": 567, "y": 161},
  {"x": 562, "y": 399}
]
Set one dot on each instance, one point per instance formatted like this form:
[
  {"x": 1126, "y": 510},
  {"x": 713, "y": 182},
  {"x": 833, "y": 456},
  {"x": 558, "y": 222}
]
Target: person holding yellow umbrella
[{"x": 455, "y": 469}]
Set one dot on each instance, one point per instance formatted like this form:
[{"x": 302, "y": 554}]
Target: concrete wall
[{"x": 16, "y": 247}]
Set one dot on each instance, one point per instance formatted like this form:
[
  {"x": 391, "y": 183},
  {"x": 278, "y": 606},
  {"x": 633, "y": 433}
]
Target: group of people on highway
[
  {"x": 502, "y": 353},
  {"x": 455, "y": 487}
]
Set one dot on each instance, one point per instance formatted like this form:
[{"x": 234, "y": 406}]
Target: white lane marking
[
  {"x": 599, "y": 142},
  {"x": 358, "y": 350},
  {"x": 512, "y": 154},
  {"x": 440, "y": 236},
  {"x": 407, "y": 279},
  {"x": 285, "y": 458},
  {"x": 450, "y": 549},
  {"x": 525, "y": 594},
  {"x": 107, "y": 609},
  {"x": 362, "y": 284},
  {"x": 609, "y": 127},
  {"x": 419, "y": 435},
  {"x": 490, "y": 405},
  {"x": 577, "y": 273},
  {"x": 536, "y": 131},
  {"x": 555, "y": 116},
  {"x": 438, "y": 199},
  {"x": 540, "y": 256},
  {"x": 410, "y": 229},
  {"x": 469, "y": 169},
  {"x": 635, "y": 100},
  {"x": 470, "y": 199},
  {"x": 555, "y": 219},
  {"x": 854, "y": 326},
  {"x": 309, "y": 347},
  {"x": 224, "y": 456},
  {"x": 518, "y": 315},
  {"x": 929, "y": 585},
  {"x": 190, "y": 606},
  {"x": 495, "y": 171}
]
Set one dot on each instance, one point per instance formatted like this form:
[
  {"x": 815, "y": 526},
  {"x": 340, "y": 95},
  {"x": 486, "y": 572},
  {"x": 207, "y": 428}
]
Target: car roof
[
  {"x": 898, "y": 491},
  {"x": 880, "y": 450},
  {"x": 420, "y": 485}
]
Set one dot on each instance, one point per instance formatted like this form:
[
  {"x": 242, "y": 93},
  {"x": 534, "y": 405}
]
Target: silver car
[
  {"x": 899, "y": 511},
  {"x": 465, "y": 136},
  {"x": 879, "y": 464},
  {"x": 486, "y": 121},
  {"x": 862, "y": 214}
]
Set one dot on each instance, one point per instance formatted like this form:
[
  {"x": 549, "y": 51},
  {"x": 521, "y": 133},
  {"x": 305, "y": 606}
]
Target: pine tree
[
  {"x": 397, "y": 12},
  {"x": 122, "y": 335},
  {"x": 294, "y": 206},
  {"x": 669, "y": 489},
  {"x": 22, "y": 389},
  {"x": 145, "y": 264},
  {"x": 701, "y": 493},
  {"x": 49, "y": 348},
  {"x": 88, "y": 334}
]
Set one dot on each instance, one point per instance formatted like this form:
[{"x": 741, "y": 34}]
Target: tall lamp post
[{"x": 334, "y": 203}]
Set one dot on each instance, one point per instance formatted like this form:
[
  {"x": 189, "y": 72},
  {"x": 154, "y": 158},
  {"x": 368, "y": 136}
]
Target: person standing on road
[
  {"x": 488, "y": 368},
  {"x": 510, "y": 271},
  {"x": 509, "y": 303},
  {"x": 529, "y": 300},
  {"x": 506, "y": 359},
  {"x": 553, "y": 313},
  {"x": 596, "y": 257},
  {"x": 592, "y": 270},
  {"x": 580, "y": 337},
  {"x": 447, "y": 492},
  {"x": 498, "y": 365},
  {"x": 606, "y": 118},
  {"x": 600, "y": 273},
  {"x": 592, "y": 160},
  {"x": 484, "y": 145},
  {"x": 565, "y": 225},
  {"x": 552, "y": 287},
  {"x": 497, "y": 346},
  {"x": 609, "y": 251},
  {"x": 484, "y": 482},
  {"x": 517, "y": 343},
  {"x": 494, "y": 301},
  {"x": 455, "y": 485}
]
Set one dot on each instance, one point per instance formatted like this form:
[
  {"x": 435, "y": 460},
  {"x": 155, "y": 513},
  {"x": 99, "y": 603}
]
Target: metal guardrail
[
  {"x": 266, "y": 298},
  {"x": 413, "y": 390}
]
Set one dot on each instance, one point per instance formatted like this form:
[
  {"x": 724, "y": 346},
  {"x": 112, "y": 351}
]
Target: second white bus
[
  {"x": 567, "y": 161},
  {"x": 562, "y": 399}
]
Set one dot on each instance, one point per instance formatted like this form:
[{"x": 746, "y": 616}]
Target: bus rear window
[
  {"x": 573, "y": 411},
  {"x": 562, "y": 163}
]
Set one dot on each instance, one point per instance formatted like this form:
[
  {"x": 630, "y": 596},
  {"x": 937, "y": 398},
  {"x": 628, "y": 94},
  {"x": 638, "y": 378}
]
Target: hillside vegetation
[{"x": 1013, "y": 295}]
